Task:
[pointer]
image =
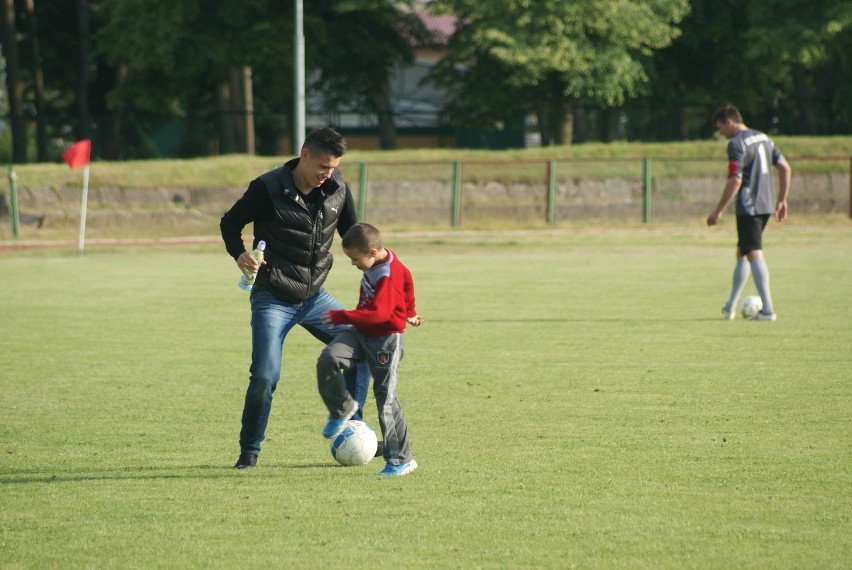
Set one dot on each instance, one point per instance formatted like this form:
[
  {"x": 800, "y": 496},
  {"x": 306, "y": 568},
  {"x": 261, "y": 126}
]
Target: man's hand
[
  {"x": 247, "y": 263},
  {"x": 781, "y": 211},
  {"x": 732, "y": 186}
]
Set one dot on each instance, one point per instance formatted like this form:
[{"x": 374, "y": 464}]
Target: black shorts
[{"x": 750, "y": 232}]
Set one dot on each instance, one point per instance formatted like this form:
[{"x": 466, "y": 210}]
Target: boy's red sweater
[{"x": 385, "y": 301}]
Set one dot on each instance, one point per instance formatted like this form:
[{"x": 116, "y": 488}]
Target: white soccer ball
[
  {"x": 751, "y": 305},
  {"x": 356, "y": 444}
]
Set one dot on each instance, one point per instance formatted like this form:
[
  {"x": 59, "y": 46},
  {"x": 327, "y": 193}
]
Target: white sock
[
  {"x": 761, "y": 280},
  {"x": 741, "y": 272}
]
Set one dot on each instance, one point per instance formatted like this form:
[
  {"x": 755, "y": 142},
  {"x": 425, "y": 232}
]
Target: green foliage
[
  {"x": 558, "y": 52},
  {"x": 370, "y": 40},
  {"x": 6, "y": 146},
  {"x": 783, "y": 66},
  {"x": 158, "y": 45},
  {"x": 601, "y": 416},
  {"x": 631, "y": 69}
]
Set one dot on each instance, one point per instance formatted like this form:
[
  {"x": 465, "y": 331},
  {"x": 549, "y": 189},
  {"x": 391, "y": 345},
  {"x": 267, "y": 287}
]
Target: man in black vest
[{"x": 296, "y": 209}]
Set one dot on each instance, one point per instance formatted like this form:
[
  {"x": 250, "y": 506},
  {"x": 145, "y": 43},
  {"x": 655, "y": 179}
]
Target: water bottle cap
[{"x": 261, "y": 245}]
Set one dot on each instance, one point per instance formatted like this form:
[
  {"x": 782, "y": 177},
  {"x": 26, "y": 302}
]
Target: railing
[
  {"x": 445, "y": 194},
  {"x": 550, "y": 192}
]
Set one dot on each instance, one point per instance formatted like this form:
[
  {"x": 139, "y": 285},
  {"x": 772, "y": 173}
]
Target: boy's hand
[
  {"x": 326, "y": 319},
  {"x": 415, "y": 321}
]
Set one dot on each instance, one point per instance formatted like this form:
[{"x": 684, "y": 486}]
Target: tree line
[{"x": 120, "y": 71}]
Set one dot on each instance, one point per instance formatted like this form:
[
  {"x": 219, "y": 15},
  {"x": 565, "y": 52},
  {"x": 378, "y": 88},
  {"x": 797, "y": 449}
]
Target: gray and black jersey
[{"x": 751, "y": 155}]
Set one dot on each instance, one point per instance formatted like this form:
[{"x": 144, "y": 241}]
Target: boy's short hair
[
  {"x": 726, "y": 112},
  {"x": 325, "y": 141},
  {"x": 362, "y": 237}
]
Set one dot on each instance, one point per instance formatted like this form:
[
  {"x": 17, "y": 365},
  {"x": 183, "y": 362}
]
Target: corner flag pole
[
  {"x": 83, "y": 206},
  {"x": 76, "y": 156}
]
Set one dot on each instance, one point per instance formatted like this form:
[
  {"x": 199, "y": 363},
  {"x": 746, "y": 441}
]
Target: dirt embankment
[{"x": 427, "y": 202}]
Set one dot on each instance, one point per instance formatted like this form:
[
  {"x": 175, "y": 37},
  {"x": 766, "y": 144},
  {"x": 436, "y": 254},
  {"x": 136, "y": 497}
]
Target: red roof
[{"x": 441, "y": 26}]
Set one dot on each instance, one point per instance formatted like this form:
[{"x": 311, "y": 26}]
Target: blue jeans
[{"x": 271, "y": 320}]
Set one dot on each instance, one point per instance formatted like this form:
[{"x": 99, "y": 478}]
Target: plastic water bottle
[{"x": 247, "y": 280}]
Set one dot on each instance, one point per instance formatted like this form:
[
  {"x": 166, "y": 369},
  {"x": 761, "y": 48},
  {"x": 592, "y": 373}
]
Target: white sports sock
[
  {"x": 761, "y": 280},
  {"x": 741, "y": 272}
]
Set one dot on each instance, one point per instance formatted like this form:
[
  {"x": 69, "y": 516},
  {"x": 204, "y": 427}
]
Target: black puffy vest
[{"x": 298, "y": 246}]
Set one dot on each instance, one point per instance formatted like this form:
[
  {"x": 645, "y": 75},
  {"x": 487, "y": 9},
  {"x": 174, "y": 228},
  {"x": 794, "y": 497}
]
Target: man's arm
[
  {"x": 247, "y": 209},
  {"x": 786, "y": 174},
  {"x": 731, "y": 189},
  {"x": 349, "y": 215}
]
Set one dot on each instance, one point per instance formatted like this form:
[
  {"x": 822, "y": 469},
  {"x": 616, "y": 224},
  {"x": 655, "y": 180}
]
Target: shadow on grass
[
  {"x": 582, "y": 320},
  {"x": 12, "y": 477}
]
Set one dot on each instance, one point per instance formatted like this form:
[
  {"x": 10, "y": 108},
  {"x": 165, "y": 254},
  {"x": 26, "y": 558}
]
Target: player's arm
[
  {"x": 254, "y": 205},
  {"x": 412, "y": 318},
  {"x": 786, "y": 174},
  {"x": 732, "y": 186},
  {"x": 379, "y": 311},
  {"x": 349, "y": 214}
]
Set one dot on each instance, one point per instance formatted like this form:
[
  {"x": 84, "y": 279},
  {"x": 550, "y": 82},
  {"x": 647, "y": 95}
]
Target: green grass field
[{"x": 574, "y": 398}]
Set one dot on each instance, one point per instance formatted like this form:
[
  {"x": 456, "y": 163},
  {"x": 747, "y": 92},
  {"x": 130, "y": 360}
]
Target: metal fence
[
  {"x": 553, "y": 192},
  {"x": 440, "y": 195}
]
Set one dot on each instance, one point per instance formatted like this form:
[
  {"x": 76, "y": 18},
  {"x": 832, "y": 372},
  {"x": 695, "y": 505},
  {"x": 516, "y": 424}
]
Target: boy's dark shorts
[{"x": 750, "y": 232}]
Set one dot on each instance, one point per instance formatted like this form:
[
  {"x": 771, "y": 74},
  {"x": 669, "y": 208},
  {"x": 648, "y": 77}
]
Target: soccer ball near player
[
  {"x": 751, "y": 306},
  {"x": 356, "y": 444}
]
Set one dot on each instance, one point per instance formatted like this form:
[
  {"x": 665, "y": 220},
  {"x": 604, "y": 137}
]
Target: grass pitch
[{"x": 575, "y": 401}]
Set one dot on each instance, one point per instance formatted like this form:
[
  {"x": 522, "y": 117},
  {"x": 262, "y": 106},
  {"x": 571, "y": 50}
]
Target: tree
[
  {"x": 188, "y": 60},
  {"x": 38, "y": 82},
  {"x": 807, "y": 55},
  {"x": 134, "y": 69},
  {"x": 13, "y": 82},
  {"x": 84, "y": 127},
  {"x": 702, "y": 68},
  {"x": 360, "y": 44},
  {"x": 50, "y": 56},
  {"x": 550, "y": 55},
  {"x": 785, "y": 69}
]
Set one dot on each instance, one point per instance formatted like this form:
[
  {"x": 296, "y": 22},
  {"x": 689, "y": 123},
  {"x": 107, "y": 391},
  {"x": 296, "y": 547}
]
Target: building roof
[{"x": 441, "y": 26}]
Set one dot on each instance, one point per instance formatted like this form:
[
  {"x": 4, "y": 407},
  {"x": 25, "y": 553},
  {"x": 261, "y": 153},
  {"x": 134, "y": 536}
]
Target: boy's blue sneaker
[
  {"x": 392, "y": 470},
  {"x": 335, "y": 425}
]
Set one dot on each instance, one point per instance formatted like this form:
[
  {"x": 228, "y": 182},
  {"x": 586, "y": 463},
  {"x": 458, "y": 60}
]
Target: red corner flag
[{"x": 78, "y": 154}]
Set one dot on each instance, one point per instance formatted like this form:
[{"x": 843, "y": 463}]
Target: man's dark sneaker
[
  {"x": 380, "y": 449},
  {"x": 246, "y": 461}
]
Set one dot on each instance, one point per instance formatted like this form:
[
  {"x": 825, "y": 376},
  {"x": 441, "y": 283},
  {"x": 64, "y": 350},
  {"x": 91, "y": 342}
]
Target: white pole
[
  {"x": 83, "y": 203},
  {"x": 299, "y": 81}
]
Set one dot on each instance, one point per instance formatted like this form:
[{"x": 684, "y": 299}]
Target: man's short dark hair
[
  {"x": 726, "y": 112},
  {"x": 325, "y": 141}
]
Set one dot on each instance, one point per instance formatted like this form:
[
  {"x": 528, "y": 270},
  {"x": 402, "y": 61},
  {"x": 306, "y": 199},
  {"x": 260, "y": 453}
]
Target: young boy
[{"x": 385, "y": 305}]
